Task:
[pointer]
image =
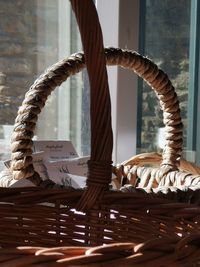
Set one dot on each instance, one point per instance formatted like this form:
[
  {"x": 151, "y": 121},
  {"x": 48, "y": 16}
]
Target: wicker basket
[
  {"x": 142, "y": 171},
  {"x": 50, "y": 226}
]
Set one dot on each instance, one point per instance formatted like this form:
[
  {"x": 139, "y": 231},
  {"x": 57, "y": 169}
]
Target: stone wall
[
  {"x": 166, "y": 40},
  {"x": 17, "y": 54}
]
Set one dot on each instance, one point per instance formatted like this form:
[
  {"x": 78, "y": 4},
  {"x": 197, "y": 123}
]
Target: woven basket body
[{"x": 144, "y": 225}]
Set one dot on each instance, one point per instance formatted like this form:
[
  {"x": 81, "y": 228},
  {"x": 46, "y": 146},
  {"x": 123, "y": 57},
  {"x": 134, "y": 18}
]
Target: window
[
  {"x": 34, "y": 35},
  {"x": 168, "y": 37},
  {"x": 168, "y": 32}
]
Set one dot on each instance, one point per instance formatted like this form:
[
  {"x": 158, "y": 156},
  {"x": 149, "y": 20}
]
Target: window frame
[{"x": 193, "y": 140}]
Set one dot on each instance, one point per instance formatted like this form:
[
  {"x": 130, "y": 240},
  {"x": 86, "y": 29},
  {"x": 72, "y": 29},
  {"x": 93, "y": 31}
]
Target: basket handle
[
  {"x": 100, "y": 164},
  {"x": 35, "y": 98},
  {"x": 99, "y": 176}
]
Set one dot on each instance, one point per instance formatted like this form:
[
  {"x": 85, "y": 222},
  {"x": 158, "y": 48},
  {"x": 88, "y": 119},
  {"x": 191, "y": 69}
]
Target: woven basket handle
[
  {"x": 101, "y": 146},
  {"x": 35, "y": 99}
]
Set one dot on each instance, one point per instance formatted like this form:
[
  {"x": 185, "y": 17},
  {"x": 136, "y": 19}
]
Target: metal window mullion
[
  {"x": 142, "y": 35},
  {"x": 197, "y": 81},
  {"x": 64, "y": 39},
  {"x": 193, "y": 142}
]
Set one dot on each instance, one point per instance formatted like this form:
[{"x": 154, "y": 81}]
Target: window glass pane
[
  {"x": 34, "y": 35},
  {"x": 165, "y": 39}
]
